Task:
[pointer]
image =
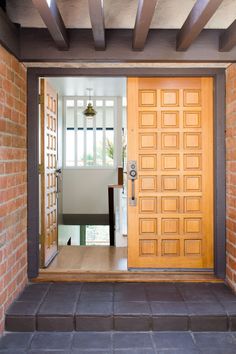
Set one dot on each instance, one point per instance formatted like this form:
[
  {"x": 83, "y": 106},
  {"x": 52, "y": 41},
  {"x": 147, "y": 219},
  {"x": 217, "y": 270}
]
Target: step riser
[{"x": 121, "y": 323}]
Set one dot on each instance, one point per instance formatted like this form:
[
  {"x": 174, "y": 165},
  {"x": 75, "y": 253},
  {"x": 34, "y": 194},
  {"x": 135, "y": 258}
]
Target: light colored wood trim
[
  {"x": 208, "y": 158},
  {"x": 132, "y": 143},
  {"x": 128, "y": 276}
]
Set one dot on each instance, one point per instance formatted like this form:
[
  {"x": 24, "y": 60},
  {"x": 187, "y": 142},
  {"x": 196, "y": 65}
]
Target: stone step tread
[{"x": 123, "y": 306}]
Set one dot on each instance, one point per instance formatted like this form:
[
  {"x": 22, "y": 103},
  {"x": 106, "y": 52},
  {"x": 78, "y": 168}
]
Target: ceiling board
[
  {"x": 102, "y": 86},
  {"x": 75, "y": 13}
]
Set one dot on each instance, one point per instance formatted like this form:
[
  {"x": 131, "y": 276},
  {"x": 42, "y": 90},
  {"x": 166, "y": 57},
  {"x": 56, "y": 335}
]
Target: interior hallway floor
[
  {"x": 90, "y": 258},
  {"x": 105, "y": 263}
]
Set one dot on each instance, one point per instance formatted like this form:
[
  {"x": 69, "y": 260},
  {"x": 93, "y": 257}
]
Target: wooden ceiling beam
[
  {"x": 52, "y": 18},
  {"x": 9, "y": 34},
  {"x": 199, "y": 16},
  {"x": 97, "y": 21},
  {"x": 228, "y": 38},
  {"x": 143, "y": 20}
]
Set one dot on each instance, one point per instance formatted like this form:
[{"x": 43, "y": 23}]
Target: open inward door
[
  {"x": 48, "y": 172},
  {"x": 170, "y": 137}
]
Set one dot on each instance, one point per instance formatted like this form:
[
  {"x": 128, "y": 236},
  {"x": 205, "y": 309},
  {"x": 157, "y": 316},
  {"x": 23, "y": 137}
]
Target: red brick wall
[
  {"x": 13, "y": 179},
  {"x": 231, "y": 174}
]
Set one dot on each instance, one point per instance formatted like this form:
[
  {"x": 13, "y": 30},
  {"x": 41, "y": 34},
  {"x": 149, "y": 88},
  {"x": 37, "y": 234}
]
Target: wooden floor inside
[{"x": 104, "y": 263}]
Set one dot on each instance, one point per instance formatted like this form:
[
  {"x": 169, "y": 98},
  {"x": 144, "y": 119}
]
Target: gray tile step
[
  {"x": 81, "y": 307},
  {"x": 118, "y": 343}
]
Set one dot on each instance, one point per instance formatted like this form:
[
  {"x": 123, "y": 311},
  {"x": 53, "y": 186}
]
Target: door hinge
[
  {"x": 41, "y": 169},
  {"x": 40, "y": 99}
]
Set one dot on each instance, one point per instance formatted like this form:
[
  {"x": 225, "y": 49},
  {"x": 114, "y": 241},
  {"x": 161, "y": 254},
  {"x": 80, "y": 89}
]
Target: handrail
[{"x": 111, "y": 188}]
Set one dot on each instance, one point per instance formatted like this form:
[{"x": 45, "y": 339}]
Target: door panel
[
  {"x": 170, "y": 135},
  {"x": 48, "y": 117}
]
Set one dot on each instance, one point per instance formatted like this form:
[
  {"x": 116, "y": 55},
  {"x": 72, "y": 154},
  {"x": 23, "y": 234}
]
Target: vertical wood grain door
[
  {"x": 48, "y": 142},
  {"x": 170, "y": 135}
]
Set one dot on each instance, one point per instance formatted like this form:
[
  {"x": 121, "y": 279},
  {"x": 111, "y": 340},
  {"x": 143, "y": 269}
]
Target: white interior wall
[
  {"x": 85, "y": 190},
  {"x": 67, "y": 231},
  {"x": 59, "y": 158}
]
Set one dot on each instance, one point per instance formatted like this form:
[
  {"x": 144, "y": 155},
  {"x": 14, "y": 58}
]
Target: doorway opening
[{"x": 80, "y": 158}]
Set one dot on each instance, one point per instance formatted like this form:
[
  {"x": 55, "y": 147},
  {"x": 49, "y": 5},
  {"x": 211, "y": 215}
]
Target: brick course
[
  {"x": 231, "y": 175},
  {"x": 13, "y": 180}
]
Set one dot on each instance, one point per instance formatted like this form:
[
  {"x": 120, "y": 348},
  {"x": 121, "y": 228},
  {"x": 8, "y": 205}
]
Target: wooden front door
[
  {"x": 48, "y": 149},
  {"x": 170, "y": 136}
]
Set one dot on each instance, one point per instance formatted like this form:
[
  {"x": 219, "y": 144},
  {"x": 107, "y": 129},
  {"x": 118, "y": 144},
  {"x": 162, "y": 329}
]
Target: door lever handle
[{"x": 132, "y": 175}]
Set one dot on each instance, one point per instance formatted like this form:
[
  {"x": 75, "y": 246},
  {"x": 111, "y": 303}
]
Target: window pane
[
  {"x": 89, "y": 145},
  {"x": 70, "y": 134},
  {"x": 70, "y": 103},
  {"x": 80, "y": 134},
  {"x": 109, "y": 147},
  {"x": 99, "y": 118},
  {"x": 80, "y": 147},
  {"x": 99, "y": 103},
  {"x": 109, "y": 117},
  {"x": 109, "y": 103},
  {"x": 80, "y": 118},
  {"x": 80, "y": 103},
  {"x": 99, "y": 147}
]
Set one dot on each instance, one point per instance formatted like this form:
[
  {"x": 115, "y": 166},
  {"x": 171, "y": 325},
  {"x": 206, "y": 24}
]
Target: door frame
[{"x": 33, "y": 75}]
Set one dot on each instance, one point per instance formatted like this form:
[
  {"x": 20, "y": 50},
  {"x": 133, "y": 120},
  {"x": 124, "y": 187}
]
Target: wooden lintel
[
  {"x": 228, "y": 38},
  {"x": 97, "y": 21},
  {"x": 160, "y": 48},
  {"x": 52, "y": 18},
  {"x": 142, "y": 23},
  {"x": 9, "y": 34},
  {"x": 198, "y": 17}
]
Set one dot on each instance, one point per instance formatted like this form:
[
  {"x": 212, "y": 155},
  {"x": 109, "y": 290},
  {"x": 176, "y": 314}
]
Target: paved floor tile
[
  {"x": 217, "y": 351},
  {"x": 196, "y": 292},
  {"x": 106, "y": 287},
  {"x": 130, "y": 340},
  {"x": 57, "y": 307},
  {"x": 130, "y": 292},
  {"x": 131, "y": 308},
  {"x": 178, "y": 351},
  {"x": 51, "y": 341},
  {"x": 15, "y": 340},
  {"x": 103, "y": 308},
  {"x": 38, "y": 351},
  {"x": 230, "y": 307},
  {"x": 221, "y": 340},
  {"x": 13, "y": 351},
  {"x": 222, "y": 292},
  {"x": 134, "y": 351},
  {"x": 173, "y": 340},
  {"x": 83, "y": 351},
  {"x": 34, "y": 292},
  {"x": 163, "y": 292},
  {"x": 23, "y": 308},
  {"x": 168, "y": 308},
  {"x": 96, "y": 295},
  {"x": 92, "y": 340}
]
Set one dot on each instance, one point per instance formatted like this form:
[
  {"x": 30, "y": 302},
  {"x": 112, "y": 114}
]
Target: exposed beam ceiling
[
  {"x": 52, "y": 18},
  {"x": 228, "y": 38},
  {"x": 97, "y": 21},
  {"x": 143, "y": 20},
  {"x": 200, "y": 14}
]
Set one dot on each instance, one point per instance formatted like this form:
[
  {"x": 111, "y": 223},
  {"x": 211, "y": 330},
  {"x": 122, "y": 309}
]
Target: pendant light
[{"x": 89, "y": 112}]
